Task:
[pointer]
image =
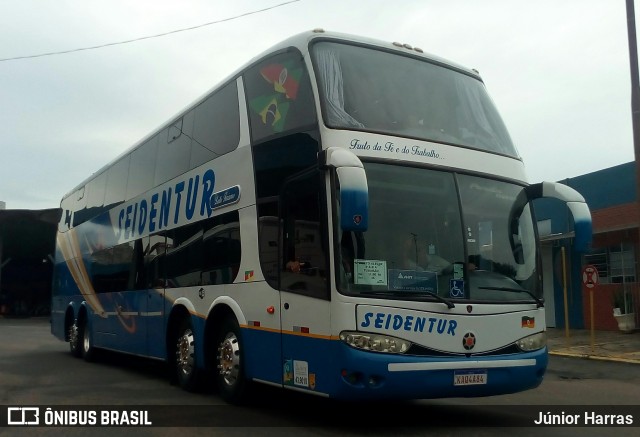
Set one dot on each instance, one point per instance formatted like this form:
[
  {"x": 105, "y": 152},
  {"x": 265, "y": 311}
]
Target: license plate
[{"x": 469, "y": 377}]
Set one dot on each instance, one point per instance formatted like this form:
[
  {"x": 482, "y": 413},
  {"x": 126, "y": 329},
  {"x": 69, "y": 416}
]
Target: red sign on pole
[{"x": 590, "y": 276}]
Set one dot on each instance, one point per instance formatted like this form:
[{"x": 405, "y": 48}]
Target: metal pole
[
  {"x": 592, "y": 321},
  {"x": 564, "y": 292},
  {"x": 635, "y": 100},
  {"x": 635, "y": 84},
  {"x": 2, "y": 207},
  {"x": 624, "y": 282},
  {"x": 1, "y": 266}
]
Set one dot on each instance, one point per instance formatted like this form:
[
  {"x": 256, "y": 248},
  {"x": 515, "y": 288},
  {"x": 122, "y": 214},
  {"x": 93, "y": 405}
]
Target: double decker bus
[{"x": 341, "y": 216}]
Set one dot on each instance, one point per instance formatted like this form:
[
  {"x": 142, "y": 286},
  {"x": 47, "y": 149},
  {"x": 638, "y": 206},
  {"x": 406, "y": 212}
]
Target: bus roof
[{"x": 301, "y": 41}]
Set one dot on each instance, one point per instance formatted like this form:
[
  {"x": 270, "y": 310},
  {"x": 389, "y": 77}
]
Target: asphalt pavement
[{"x": 596, "y": 345}]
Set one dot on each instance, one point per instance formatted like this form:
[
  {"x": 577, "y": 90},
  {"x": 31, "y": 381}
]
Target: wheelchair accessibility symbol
[{"x": 456, "y": 288}]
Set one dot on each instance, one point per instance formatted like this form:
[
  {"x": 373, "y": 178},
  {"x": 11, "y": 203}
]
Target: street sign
[{"x": 590, "y": 276}]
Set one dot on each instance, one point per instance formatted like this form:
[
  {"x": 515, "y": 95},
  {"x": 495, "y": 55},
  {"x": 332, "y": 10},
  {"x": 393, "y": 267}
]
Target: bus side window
[
  {"x": 153, "y": 251},
  {"x": 279, "y": 96},
  {"x": 184, "y": 258},
  {"x": 221, "y": 249},
  {"x": 112, "y": 269},
  {"x": 216, "y": 126}
]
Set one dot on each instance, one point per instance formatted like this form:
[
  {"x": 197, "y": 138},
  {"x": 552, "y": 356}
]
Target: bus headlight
[
  {"x": 533, "y": 342},
  {"x": 375, "y": 342}
]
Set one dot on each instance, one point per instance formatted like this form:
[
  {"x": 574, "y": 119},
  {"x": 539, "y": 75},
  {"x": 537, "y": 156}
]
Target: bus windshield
[
  {"x": 422, "y": 242},
  {"x": 378, "y": 91}
]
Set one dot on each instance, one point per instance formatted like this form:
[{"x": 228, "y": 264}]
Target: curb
[{"x": 594, "y": 357}]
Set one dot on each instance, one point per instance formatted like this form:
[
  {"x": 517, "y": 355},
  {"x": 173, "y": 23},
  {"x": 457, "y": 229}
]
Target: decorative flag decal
[
  {"x": 248, "y": 275},
  {"x": 528, "y": 322},
  {"x": 273, "y": 108},
  {"x": 272, "y": 113},
  {"x": 284, "y": 80}
]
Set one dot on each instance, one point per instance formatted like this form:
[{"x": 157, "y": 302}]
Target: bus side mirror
[
  {"x": 575, "y": 202},
  {"x": 354, "y": 191}
]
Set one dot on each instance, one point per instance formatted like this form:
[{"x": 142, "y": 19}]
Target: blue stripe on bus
[{"x": 367, "y": 376}]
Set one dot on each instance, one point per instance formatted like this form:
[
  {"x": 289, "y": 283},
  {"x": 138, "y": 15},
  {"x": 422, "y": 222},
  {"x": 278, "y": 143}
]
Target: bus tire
[
  {"x": 74, "y": 333},
  {"x": 229, "y": 375},
  {"x": 186, "y": 372},
  {"x": 86, "y": 342}
]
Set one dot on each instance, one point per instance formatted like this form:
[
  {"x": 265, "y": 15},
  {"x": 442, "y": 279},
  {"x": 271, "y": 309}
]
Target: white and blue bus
[{"x": 341, "y": 216}]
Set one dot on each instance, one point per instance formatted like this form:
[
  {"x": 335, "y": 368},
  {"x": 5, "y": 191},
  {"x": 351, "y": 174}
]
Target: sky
[{"x": 558, "y": 71}]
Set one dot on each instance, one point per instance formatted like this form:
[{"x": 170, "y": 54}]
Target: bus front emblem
[{"x": 468, "y": 341}]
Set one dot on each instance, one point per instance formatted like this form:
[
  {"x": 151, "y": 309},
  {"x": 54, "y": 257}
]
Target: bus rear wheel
[
  {"x": 230, "y": 379},
  {"x": 87, "y": 349},
  {"x": 185, "y": 368},
  {"x": 74, "y": 340}
]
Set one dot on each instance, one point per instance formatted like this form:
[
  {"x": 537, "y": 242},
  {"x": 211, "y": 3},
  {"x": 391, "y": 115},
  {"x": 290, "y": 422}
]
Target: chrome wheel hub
[
  {"x": 229, "y": 359},
  {"x": 86, "y": 341},
  {"x": 185, "y": 352},
  {"x": 73, "y": 336}
]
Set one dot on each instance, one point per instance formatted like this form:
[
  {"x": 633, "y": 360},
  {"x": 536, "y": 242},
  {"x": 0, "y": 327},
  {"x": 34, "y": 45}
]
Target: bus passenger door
[{"x": 304, "y": 297}]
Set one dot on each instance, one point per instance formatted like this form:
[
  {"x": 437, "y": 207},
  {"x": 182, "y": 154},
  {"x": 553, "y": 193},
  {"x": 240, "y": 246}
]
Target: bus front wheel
[{"x": 230, "y": 379}]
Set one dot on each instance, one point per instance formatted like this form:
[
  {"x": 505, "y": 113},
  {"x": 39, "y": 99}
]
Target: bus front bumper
[{"x": 370, "y": 375}]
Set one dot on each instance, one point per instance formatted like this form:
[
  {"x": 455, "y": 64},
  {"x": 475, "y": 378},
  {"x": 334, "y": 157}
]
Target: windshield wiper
[
  {"x": 539, "y": 302},
  {"x": 447, "y": 302}
]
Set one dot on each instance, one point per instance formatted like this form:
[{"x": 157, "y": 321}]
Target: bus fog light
[
  {"x": 375, "y": 342},
  {"x": 533, "y": 342}
]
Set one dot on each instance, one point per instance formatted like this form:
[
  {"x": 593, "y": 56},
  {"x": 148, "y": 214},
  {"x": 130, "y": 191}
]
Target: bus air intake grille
[{"x": 427, "y": 352}]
